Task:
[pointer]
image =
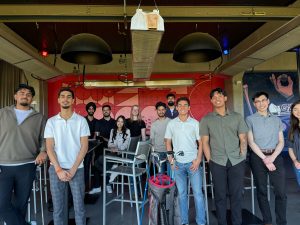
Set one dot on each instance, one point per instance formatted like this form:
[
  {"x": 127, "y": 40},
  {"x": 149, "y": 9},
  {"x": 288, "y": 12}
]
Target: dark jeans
[
  {"x": 277, "y": 179},
  {"x": 16, "y": 180},
  {"x": 87, "y": 162},
  {"x": 228, "y": 179}
]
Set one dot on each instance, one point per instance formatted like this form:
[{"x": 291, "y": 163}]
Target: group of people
[{"x": 27, "y": 139}]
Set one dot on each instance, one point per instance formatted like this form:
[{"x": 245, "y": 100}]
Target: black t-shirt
[
  {"x": 135, "y": 127},
  {"x": 104, "y": 127},
  {"x": 92, "y": 125}
]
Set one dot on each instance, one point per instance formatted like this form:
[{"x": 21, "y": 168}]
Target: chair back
[
  {"x": 142, "y": 150},
  {"x": 133, "y": 144}
]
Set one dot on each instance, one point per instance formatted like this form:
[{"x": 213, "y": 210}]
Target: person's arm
[
  {"x": 254, "y": 146},
  {"x": 206, "y": 147},
  {"x": 258, "y": 151},
  {"x": 125, "y": 143},
  {"x": 42, "y": 156},
  {"x": 83, "y": 150},
  {"x": 196, "y": 162},
  {"x": 294, "y": 158},
  {"x": 278, "y": 149},
  {"x": 243, "y": 143},
  {"x": 110, "y": 143},
  {"x": 152, "y": 134},
  {"x": 62, "y": 174},
  {"x": 169, "y": 150},
  {"x": 143, "y": 132}
]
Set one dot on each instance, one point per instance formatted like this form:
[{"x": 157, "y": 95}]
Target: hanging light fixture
[
  {"x": 197, "y": 47},
  {"x": 87, "y": 49}
]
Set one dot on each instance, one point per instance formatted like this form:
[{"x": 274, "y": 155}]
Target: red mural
[{"x": 121, "y": 99}]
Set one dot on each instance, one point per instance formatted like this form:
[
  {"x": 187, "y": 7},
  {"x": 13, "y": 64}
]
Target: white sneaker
[
  {"x": 108, "y": 189},
  {"x": 113, "y": 176},
  {"x": 95, "y": 190}
]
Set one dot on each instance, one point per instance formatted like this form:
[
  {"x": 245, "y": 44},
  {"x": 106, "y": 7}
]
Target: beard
[
  {"x": 24, "y": 104},
  {"x": 90, "y": 113},
  {"x": 170, "y": 103},
  {"x": 65, "y": 106},
  {"x": 161, "y": 115}
]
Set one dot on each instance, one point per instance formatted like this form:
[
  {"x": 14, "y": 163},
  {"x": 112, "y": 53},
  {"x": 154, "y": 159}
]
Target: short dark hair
[
  {"x": 25, "y": 86},
  {"x": 170, "y": 95},
  {"x": 260, "y": 93},
  {"x": 104, "y": 106},
  {"x": 219, "y": 90},
  {"x": 159, "y": 104},
  {"x": 89, "y": 105},
  {"x": 68, "y": 89},
  {"x": 183, "y": 99}
]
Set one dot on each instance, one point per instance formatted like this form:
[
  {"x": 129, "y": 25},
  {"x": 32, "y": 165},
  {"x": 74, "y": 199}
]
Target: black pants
[
  {"x": 17, "y": 180},
  {"x": 228, "y": 179},
  {"x": 277, "y": 179}
]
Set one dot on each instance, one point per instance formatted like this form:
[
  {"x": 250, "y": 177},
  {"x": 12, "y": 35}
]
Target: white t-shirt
[
  {"x": 184, "y": 136},
  {"x": 67, "y": 134}
]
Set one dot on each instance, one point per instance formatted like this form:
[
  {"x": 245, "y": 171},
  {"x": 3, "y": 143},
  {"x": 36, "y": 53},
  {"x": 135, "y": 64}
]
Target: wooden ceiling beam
[{"x": 109, "y": 13}]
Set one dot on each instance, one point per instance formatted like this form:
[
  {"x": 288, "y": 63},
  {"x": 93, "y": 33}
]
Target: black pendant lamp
[
  {"x": 87, "y": 49},
  {"x": 196, "y": 48}
]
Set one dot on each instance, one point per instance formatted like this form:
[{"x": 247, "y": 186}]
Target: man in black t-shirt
[
  {"x": 104, "y": 127},
  {"x": 92, "y": 122}
]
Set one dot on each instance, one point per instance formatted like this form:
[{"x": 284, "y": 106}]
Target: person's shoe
[
  {"x": 109, "y": 189},
  {"x": 50, "y": 206},
  {"x": 95, "y": 191}
]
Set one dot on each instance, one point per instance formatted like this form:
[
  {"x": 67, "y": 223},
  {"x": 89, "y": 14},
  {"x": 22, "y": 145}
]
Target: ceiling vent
[{"x": 147, "y": 29}]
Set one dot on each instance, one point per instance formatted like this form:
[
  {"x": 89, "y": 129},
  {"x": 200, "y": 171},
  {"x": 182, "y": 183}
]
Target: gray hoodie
[{"x": 20, "y": 143}]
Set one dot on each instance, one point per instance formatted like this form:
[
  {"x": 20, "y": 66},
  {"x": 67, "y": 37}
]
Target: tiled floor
[{"x": 114, "y": 217}]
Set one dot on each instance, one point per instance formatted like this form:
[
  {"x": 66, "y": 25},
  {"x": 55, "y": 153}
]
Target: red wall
[{"x": 121, "y": 99}]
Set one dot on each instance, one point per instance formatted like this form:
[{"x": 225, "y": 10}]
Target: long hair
[
  {"x": 294, "y": 122},
  {"x": 139, "y": 117},
  {"x": 115, "y": 129}
]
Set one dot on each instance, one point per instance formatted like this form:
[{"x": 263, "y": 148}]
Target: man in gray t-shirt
[
  {"x": 157, "y": 133},
  {"x": 266, "y": 140}
]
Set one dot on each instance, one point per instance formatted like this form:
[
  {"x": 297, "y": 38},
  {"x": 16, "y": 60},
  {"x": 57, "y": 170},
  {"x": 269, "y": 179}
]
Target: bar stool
[
  {"x": 127, "y": 167},
  {"x": 37, "y": 181}
]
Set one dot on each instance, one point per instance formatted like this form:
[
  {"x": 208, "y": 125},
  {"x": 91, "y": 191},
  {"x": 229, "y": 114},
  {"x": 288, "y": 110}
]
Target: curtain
[{"x": 10, "y": 78}]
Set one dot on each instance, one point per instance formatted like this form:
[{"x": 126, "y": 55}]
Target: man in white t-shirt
[
  {"x": 183, "y": 133},
  {"x": 67, "y": 143}
]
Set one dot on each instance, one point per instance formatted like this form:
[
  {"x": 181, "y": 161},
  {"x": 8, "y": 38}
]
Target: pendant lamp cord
[{"x": 153, "y": 1}]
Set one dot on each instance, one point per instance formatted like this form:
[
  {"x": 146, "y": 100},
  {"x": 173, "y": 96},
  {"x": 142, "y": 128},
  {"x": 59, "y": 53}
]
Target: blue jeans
[
  {"x": 181, "y": 175},
  {"x": 297, "y": 173}
]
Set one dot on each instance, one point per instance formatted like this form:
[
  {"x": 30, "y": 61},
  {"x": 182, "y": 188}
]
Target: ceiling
[{"x": 242, "y": 26}]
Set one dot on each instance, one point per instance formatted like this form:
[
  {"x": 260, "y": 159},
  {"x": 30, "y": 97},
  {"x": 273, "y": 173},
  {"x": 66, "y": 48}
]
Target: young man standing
[
  {"x": 266, "y": 141},
  {"x": 21, "y": 148},
  {"x": 224, "y": 138},
  {"x": 92, "y": 122},
  {"x": 171, "y": 111},
  {"x": 104, "y": 127},
  {"x": 157, "y": 132},
  {"x": 183, "y": 133},
  {"x": 67, "y": 143},
  {"x": 105, "y": 124}
]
